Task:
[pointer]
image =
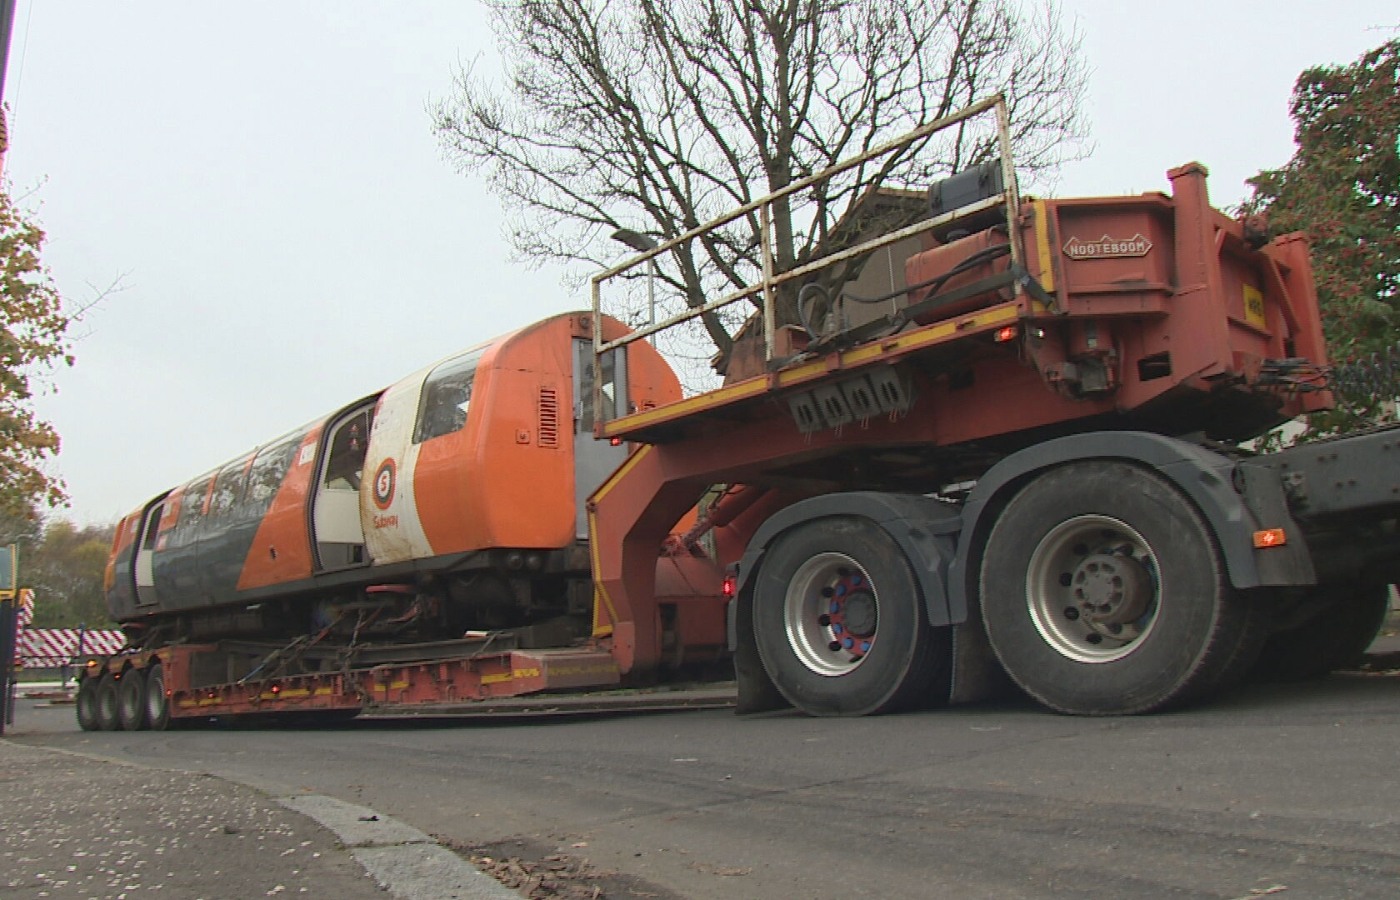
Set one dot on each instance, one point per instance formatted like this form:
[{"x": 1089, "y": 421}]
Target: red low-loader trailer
[{"x": 1022, "y": 459}]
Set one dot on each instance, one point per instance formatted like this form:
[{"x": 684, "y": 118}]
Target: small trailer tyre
[
  {"x": 1103, "y": 593},
  {"x": 108, "y": 718},
  {"x": 839, "y": 621},
  {"x": 157, "y": 704},
  {"x": 87, "y": 705},
  {"x": 131, "y": 701}
]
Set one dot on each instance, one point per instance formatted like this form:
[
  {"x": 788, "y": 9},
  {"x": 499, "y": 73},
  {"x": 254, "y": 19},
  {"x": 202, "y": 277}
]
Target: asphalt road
[{"x": 1287, "y": 790}]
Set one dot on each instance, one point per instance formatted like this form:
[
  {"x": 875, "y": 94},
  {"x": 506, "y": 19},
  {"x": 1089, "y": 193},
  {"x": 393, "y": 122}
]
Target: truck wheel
[
  {"x": 839, "y": 622},
  {"x": 107, "y": 716},
  {"x": 131, "y": 701},
  {"x": 87, "y": 705},
  {"x": 1333, "y": 639},
  {"x": 1103, "y": 593},
  {"x": 157, "y": 704}
]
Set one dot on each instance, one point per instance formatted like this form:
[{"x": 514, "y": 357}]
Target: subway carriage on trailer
[{"x": 450, "y": 502}]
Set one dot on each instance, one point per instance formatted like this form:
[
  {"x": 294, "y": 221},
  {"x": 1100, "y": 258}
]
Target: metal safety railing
[{"x": 771, "y": 280}]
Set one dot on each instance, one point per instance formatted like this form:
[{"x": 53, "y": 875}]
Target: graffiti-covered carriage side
[
  {"x": 201, "y": 544},
  {"x": 451, "y": 500}
]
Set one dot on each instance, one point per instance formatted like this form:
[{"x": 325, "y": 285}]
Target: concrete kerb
[{"x": 404, "y": 861}]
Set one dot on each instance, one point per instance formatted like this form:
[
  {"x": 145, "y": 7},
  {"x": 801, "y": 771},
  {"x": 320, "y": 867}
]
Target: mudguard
[
  {"x": 1205, "y": 477},
  {"x": 925, "y": 529}
]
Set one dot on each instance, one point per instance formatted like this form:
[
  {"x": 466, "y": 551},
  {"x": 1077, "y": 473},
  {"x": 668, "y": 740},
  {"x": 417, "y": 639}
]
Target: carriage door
[
  {"x": 340, "y": 538},
  {"x": 145, "y": 553},
  {"x": 595, "y": 460}
]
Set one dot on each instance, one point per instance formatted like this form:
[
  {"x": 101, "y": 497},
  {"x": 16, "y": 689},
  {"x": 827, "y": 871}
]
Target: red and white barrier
[{"x": 47, "y": 648}]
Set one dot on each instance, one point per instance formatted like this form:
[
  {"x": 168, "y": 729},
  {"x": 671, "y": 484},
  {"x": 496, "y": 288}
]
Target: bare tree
[{"x": 658, "y": 115}]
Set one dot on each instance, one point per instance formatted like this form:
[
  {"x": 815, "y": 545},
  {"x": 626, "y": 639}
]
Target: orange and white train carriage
[{"x": 450, "y": 504}]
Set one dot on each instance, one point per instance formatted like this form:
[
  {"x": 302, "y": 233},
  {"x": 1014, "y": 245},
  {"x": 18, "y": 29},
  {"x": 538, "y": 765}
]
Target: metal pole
[
  {"x": 770, "y": 312},
  {"x": 1012, "y": 191},
  {"x": 9, "y": 625},
  {"x": 7, "y": 20},
  {"x": 7, "y": 27},
  {"x": 82, "y": 640},
  {"x": 651, "y": 297},
  {"x": 643, "y": 243}
]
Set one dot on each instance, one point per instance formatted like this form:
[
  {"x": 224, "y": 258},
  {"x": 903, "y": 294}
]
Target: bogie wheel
[
  {"x": 1334, "y": 638},
  {"x": 1103, "y": 593},
  {"x": 87, "y": 705},
  {"x": 107, "y": 709},
  {"x": 839, "y": 622},
  {"x": 157, "y": 703},
  {"x": 131, "y": 701}
]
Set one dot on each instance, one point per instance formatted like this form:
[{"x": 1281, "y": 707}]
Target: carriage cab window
[
  {"x": 345, "y": 463},
  {"x": 447, "y": 395}
]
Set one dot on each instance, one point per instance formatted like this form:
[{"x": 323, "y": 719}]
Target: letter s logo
[{"x": 384, "y": 484}]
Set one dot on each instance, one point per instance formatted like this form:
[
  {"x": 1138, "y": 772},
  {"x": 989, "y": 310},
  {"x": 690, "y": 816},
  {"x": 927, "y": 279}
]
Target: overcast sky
[{"x": 262, "y": 181}]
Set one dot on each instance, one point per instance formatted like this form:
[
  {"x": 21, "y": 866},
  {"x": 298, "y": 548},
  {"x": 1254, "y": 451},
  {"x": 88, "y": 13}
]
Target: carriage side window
[
  {"x": 268, "y": 470},
  {"x": 228, "y": 488},
  {"x": 447, "y": 395},
  {"x": 191, "y": 511}
]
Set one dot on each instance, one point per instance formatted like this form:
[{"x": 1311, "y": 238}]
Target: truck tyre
[
  {"x": 87, "y": 705},
  {"x": 131, "y": 701},
  {"x": 1333, "y": 639},
  {"x": 839, "y": 622},
  {"x": 107, "y": 717},
  {"x": 157, "y": 704},
  {"x": 1104, "y": 593}
]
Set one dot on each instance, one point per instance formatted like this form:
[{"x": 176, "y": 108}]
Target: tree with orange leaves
[{"x": 33, "y": 329}]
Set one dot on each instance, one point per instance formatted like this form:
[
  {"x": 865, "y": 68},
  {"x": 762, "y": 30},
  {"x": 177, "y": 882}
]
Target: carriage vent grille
[{"x": 549, "y": 417}]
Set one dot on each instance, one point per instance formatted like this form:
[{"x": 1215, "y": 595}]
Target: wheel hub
[
  {"x": 1092, "y": 588},
  {"x": 860, "y": 614},
  {"x": 1111, "y": 589},
  {"x": 831, "y": 613},
  {"x": 850, "y": 615}
]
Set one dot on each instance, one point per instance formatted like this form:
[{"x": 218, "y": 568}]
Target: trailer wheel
[
  {"x": 1103, "y": 593},
  {"x": 87, "y": 705},
  {"x": 157, "y": 704},
  {"x": 131, "y": 701},
  {"x": 839, "y": 623},
  {"x": 108, "y": 718},
  {"x": 1333, "y": 639}
]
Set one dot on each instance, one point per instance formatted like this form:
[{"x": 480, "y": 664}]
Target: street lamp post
[{"x": 642, "y": 243}]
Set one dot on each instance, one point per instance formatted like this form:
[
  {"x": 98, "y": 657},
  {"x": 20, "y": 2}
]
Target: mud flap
[
  {"x": 757, "y": 693},
  {"x": 977, "y": 675}
]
